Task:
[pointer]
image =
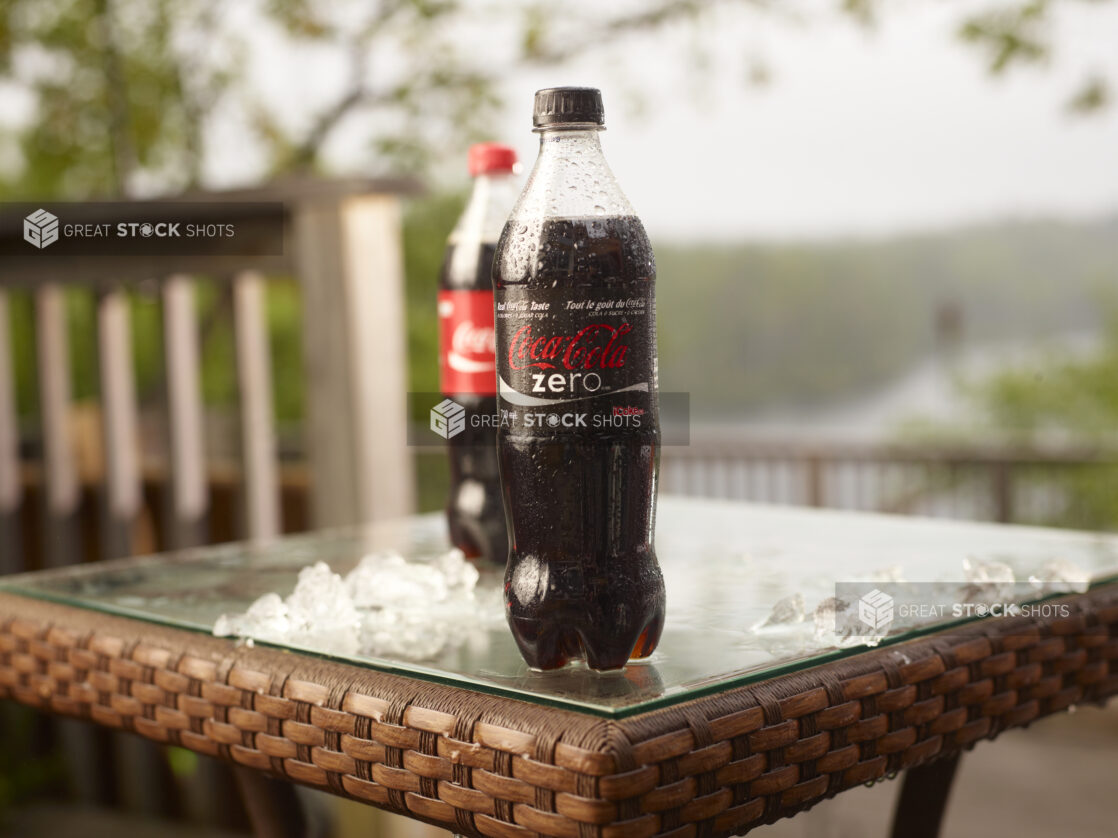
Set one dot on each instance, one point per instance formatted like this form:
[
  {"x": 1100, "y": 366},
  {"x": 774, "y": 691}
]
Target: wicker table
[{"x": 727, "y": 727}]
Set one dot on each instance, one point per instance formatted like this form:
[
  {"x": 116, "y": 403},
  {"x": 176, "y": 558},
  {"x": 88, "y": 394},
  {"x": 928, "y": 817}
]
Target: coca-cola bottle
[
  {"x": 578, "y": 445},
  {"x": 467, "y": 371}
]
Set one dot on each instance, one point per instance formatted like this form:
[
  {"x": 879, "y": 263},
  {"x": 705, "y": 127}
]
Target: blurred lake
[{"x": 931, "y": 391}]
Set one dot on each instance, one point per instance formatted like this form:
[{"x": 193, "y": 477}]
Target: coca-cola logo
[
  {"x": 472, "y": 348},
  {"x": 597, "y": 346},
  {"x": 470, "y": 339}
]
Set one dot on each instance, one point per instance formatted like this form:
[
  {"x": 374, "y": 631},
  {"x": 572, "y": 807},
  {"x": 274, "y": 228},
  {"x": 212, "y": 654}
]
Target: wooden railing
[
  {"x": 1006, "y": 483},
  {"x": 980, "y": 482},
  {"x": 342, "y": 243}
]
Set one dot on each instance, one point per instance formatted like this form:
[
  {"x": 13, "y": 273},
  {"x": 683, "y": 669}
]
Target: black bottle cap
[{"x": 559, "y": 105}]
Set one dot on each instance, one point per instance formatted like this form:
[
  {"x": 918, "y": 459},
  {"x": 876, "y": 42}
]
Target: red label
[
  {"x": 467, "y": 363},
  {"x": 595, "y": 346}
]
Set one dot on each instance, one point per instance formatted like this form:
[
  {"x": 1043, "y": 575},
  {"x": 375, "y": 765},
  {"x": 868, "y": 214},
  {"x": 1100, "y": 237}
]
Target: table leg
[
  {"x": 923, "y": 799},
  {"x": 272, "y": 805}
]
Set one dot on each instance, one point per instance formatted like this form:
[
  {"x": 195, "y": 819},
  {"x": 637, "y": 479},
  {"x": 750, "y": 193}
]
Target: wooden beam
[
  {"x": 61, "y": 492},
  {"x": 119, "y": 423},
  {"x": 256, "y": 211},
  {"x": 258, "y": 432},
  {"x": 1001, "y": 480},
  {"x": 188, "y": 495},
  {"x": 350, "y": 265}
]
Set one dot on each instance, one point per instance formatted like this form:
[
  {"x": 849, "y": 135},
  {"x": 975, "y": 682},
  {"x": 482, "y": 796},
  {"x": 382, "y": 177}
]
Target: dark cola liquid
[
  {"x": 582, "y": 579},
  {"x": 472, "y": 273},
  {"x": 474, "y": 511}
]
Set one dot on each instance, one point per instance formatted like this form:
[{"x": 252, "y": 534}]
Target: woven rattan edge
[
  {"x": 488, "y": 765},
  {"x": 893, "y": 708}
]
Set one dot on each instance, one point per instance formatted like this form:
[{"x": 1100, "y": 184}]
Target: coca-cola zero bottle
[
  {"x": 467, "y": 372},
  {"x": 578, "y": 445}
]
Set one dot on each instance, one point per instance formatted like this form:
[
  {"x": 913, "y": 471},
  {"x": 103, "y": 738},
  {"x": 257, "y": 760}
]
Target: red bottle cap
[{"x": 490, "y": 157}]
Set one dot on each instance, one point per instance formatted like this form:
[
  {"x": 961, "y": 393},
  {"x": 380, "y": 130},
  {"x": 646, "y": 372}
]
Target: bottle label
[
  {"x": 466, "y": 356},
  {"x": 576, "y": 358}
]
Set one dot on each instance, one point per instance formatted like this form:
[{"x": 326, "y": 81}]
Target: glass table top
[{"x": 752, "y": 594}]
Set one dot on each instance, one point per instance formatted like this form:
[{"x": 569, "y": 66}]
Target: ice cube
[
  {"x": 458, "y": 572},
  {"x": 386, "y": 606},
  {"x": 322, "y": 613},
  {"x": 987, "y": 582},
  {"x": 1059, "y": 575},
  {"x": 893, "y": 573},
  {"x": 265, "y": 619},
  {"x": 789, "y": 609},
  {"x": 388, "y": 580},
  {"x": 224, "y": 626},
  {"x": 837, "y": 625},
  {"x": 412, "y": 636},
  {"x": 268, "y": 616}
]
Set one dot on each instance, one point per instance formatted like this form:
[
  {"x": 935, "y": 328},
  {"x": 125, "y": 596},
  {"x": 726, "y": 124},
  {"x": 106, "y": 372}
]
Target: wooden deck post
[
  {"x": 189, "y": 501},
  {"x": 61, "y": 491},
  {"x": 815, "y": 490},
  {"x": 349, "y": 259},
  {"x": 1001, "y": 478},
  {"x": 257, "y": 423},
  {"x": 119, "y": 424}
]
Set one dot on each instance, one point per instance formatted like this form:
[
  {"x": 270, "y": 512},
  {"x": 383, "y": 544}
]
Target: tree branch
[
  {"x": 120, "y": 124},
  {"x": 307, "y": 151},
  {"x": 358, "y": 92},
  {"x": 650, "y": 17}
]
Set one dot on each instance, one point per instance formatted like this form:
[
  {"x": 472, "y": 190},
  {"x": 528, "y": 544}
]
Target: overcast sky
[{"x": 863, "y": 133}]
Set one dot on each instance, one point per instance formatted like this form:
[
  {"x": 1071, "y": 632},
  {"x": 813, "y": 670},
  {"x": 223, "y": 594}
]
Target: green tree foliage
[
  {"x": 1021, "y": 34},
  {"x": 124, "y": 91},
  {"x": 1068, "y": 397},
  {"x": 1071, "y": 399},
  {"x": 122, "y": 94},
  {"x": 118, "y": 89}
]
